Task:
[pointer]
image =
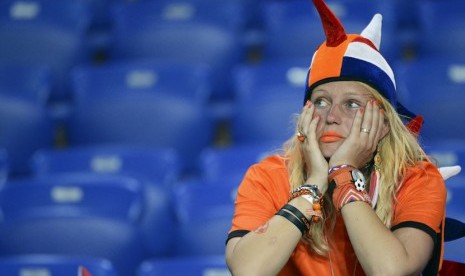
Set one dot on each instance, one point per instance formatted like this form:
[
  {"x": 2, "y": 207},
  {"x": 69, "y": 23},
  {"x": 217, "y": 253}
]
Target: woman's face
[{"x": 337, "y": 103}]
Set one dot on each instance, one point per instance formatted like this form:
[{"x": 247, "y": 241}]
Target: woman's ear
[{"x": 385, "y": 129}]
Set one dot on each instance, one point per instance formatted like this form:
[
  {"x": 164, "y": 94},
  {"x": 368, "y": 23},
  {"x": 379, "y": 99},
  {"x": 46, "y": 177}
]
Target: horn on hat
[{"x": 334, "y": 31}]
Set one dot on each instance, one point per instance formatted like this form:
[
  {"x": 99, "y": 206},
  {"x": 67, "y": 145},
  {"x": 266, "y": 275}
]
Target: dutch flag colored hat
[{"x": 352, "y": 57}]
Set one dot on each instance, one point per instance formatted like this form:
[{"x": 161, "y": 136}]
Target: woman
[{"x": 353, "y": 192}]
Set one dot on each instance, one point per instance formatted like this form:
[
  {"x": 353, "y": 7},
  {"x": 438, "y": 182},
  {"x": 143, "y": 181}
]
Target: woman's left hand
[{"x": 367, "y": 130}]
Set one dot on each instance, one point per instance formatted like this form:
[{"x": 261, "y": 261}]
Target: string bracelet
[{"x": 338, "y": 167}]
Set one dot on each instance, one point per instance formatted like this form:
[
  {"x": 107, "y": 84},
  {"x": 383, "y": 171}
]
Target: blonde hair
[{"x": 398, "y": 150}]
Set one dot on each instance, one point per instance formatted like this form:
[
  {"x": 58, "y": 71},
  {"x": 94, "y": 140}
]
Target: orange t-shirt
[{"x": 265, "y": 189}]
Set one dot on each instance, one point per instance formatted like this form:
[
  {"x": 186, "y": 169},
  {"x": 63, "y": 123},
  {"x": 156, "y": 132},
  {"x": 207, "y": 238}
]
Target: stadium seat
[
  {"x": 25, "y": 122},
  {"x": 268, "y": 94},
  {"x": 441, "y": 28},
  {"x": 141, "y": 114},
  {"x": 4, "y": 166},
  {"x": 433, "y": 87},
  {"x": 154, "y": 165},
  {"x": 40, "y": 32},
  {"x": 204, "y": 212},
  {"x": 95, "y": 217},
  {"x": 54, "y": 265},
  {"x": 447, "y": 152},
  {"x": 185, "y": 266},
  {"x": 156, "y": 169},
  {"x": 206, "y": 32},
  {"x": 218, "y": 163},
  {"x": 293, "y": 28},
  {"x": 186, "y": 81},
  {"x": 455, "y": 195}
]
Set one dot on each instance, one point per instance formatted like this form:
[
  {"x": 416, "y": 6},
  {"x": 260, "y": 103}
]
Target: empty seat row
[{"x": 38, "y": 32}]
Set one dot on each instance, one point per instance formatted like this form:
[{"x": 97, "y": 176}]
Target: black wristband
[
  {"x": 298, "y": 215},
  {"x": 290, "y": 217}
]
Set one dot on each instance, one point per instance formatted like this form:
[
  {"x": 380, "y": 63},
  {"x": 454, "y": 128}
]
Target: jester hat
[{"x": 353, "y": 57}]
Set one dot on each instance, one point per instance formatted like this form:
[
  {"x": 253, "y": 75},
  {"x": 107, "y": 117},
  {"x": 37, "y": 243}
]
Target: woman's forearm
[{"x": 380, "y": 251}]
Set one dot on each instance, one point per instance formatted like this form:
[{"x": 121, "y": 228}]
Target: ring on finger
[
  {"x": 365, "y": 130},
  {"x": 301, "y": 136}
]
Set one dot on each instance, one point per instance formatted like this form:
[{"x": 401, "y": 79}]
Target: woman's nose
[{"x": 333, "y": 114}]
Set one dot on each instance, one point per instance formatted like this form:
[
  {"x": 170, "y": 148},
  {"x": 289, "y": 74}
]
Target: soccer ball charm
[
  {"x": 359, "y": 180},
  {"x": 359, "y": 185}
]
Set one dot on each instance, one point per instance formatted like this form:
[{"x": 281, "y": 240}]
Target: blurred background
[{"x": 126, "y": 126}]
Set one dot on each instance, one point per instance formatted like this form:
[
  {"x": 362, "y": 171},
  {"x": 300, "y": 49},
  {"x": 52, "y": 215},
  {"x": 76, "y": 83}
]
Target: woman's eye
[
  {"x": 353, "y": 104},
  {"x": 320, "y": 103}
]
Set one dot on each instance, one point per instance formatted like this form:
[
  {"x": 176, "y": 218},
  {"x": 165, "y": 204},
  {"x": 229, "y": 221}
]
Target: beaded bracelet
[{"x": 312, "y": 194}]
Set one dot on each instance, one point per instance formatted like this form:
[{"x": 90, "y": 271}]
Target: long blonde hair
[{"x": 398, "y": 150}]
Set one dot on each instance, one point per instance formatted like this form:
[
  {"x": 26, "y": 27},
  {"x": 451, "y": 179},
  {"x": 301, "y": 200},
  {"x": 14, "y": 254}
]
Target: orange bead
[
  {"x": 316, "y": 206},
  {"x": 316, "y": 219},
  {"x": 301, "y": 138}
]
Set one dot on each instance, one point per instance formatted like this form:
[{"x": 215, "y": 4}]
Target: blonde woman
[{"x": 352, "y": 193}]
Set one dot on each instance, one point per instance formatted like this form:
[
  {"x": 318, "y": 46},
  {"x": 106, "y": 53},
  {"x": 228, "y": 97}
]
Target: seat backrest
[
  {"x": 292, "y": 28},
  {"x": 54, "y": 265},
  {"x": 433, "y": 87},
  {"x": 30, "y": 83},
  {"x": 177, "y": 266},
  {"x": 268, "y": 96},
  {"x": 83, "y": 217},
  {"x": 190, "y": 81},
  {"x": 40, "y": 32},
  {"x": 195, "y": 32},
  {"x": 146, "y": 120},
  {"x": 441, "y": 28},
  {"x": 157, "y": 165},
  {"x": 217, "y": 163},
  {"x": 204, "y": 212}
]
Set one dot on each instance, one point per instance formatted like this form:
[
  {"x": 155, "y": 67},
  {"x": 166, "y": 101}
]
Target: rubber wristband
[
  {"x": 290, "y": 217},
  {"x": 298, "y": 215}
]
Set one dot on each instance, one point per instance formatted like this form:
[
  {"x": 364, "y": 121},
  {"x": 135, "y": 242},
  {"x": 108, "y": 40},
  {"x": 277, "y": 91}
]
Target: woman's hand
[
  {"x": 367, "y": 130},
  {"x": 316, "y": 164}
]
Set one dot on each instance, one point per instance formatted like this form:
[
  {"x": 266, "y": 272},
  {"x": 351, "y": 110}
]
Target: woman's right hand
[{"x": 316, "y": 165}]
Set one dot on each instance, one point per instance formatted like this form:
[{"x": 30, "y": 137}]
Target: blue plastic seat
[
  {"x": 447, "y": 152},
  {"x": 185, "y": 266},
  {"x": 41, "y": 32},
  {"x": 54, "y": 265},
  {"x": 94, "y": 217},
  {"x": 204, "y": 212},
  {"x": 190, "y": 32},
  {"x": 218, "y": 163},
  {"x": 293, "y": 28},
  {"x": 433, "y": 87},
  {"x": 171, "y": 115},
  {"x": 154, "y": 165},
  {"x": 4, "y": 166},
  {"x": 268, "y": 96},
  {"x": 156, "y": 169},
  {"x": 25, "y": 122},
  {"x": 441, "y": 28},
  {"x": 186, "y": 81}
]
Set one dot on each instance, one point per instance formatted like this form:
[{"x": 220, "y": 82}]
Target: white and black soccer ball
[{"x": 360, "y": 185}]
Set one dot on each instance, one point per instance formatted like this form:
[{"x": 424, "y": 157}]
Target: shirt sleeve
[
  {"x": 263, "y": 191},
  {"x": 421, "y": 199}
]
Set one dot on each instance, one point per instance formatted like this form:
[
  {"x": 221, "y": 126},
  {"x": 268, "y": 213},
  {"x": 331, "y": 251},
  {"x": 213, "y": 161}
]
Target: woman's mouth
[{"x": 330, "y": 137}]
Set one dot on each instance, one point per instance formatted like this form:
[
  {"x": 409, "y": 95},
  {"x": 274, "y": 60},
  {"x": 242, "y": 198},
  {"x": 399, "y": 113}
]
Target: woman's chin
[{"x": 328, "y": 149}]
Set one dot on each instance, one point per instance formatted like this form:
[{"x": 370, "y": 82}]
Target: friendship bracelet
[
  {"x": 335, "y": 168},
  {"x": 297, "y": 222},
  {"x": 297, "y": 214},
  {"x": 347, "y": 193}
]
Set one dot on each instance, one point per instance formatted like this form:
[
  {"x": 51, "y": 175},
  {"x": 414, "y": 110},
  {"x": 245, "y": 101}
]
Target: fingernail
[{"x": 362, "y": 110}]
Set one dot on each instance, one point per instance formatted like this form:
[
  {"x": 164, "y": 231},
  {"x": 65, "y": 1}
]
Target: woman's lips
[{"x": 330, "y": 137}]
